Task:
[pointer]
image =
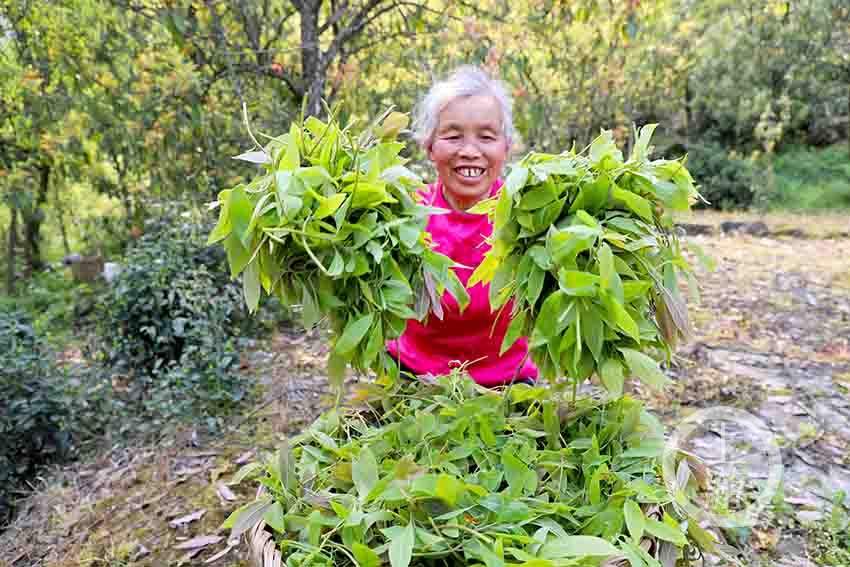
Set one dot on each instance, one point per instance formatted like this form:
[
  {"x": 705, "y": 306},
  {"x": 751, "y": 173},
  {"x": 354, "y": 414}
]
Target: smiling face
[{"x": 469, "y": 149}]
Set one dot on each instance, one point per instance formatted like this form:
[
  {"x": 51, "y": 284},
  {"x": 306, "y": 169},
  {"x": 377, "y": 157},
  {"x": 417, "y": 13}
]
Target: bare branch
[
  {"x": 385, "y": 38},
  {"x": 334, "y": 18},
  {"x": 357, "y": 24},
  {"x": 278, "y": 29}
]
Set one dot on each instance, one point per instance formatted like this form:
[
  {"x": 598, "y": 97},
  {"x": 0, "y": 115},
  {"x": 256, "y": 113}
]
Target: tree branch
[
  {"x": 334, "y": 18},
  {"x": 357, "y": 24}
]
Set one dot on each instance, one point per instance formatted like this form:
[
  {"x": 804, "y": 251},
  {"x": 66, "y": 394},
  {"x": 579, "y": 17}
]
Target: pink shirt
[{"x": 434, "y": 347}]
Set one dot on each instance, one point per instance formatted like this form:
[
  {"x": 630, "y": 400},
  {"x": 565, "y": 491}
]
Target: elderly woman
[{"x": 465, "y": 126}]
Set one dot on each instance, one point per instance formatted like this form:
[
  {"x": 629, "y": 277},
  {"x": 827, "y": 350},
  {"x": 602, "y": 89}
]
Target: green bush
[
  {"x": 46, "y": 412},
  {"x": 52, "y": 300},
  {"x": 169, "y": 319},
  {"x": 812, "y": 179},
  {"x": 724, "y": 180}
]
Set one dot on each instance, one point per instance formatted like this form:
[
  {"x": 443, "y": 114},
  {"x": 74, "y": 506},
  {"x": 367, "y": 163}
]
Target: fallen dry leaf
[
  {"x": 230, "y": 545},
  {"x": 199, "y": 542},
  {"x": 187, "y": 519},
  {"x": 224, "y": 492},
  {"x": 244, "y": 458}
]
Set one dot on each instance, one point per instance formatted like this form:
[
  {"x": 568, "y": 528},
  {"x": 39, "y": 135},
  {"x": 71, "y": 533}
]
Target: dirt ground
[{"x": 771, "y": 336}]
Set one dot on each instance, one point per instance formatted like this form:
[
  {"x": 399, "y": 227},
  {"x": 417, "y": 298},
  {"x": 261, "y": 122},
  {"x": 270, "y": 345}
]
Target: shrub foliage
[
  {"x": 46, "y": 411},
  {"x": 169, "y": 320}
]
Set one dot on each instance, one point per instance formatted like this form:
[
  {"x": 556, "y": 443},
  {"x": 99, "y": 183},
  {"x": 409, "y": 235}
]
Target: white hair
[{"x": 464, "y": 81}]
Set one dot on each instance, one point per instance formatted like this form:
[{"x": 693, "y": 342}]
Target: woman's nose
[{"x": 469, "y": 149}]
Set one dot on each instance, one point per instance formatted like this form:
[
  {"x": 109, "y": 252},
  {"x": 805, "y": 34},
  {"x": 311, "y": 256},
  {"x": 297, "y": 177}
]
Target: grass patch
[{"x": 809, "y": 179}]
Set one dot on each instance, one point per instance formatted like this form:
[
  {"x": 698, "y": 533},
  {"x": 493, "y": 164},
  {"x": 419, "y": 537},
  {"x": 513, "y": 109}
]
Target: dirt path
[{"x": 772, "y": 337}]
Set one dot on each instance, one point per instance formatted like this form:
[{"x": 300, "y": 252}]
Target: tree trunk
[
  {"x": 32, "y": 223},
  {"x": 312, "y": 66},
  {"x": 60, "y": 212},
  {"x": 12, "y": 244}
]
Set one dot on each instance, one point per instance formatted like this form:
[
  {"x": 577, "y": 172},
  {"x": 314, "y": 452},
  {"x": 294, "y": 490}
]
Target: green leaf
[
  {"x": 448, "y": 489},
  {"x": 551, "y": 425},
  {"x": 274, "y": 518},
  {"x": 409, "y": 234},
  {"x": 634, "y": 520},
  {"x": 329, "y": 206},
  {"x": 516, "y": 180},
  {"x": 401, "y": 547},
  {"x": 249, "y": 470},
  {"x": 373, "y": 345},
  {"x": 485, "y": 431},
  {"x": 287, "y": 468},
  {"x": 534, "y": 287},
  {"x": 224, "y": 226},
  {"x": 354, "y": 332},
  {"x": 245, "y": 509},
  {"x": 365, "y": 556},
  {"x": 645, "y": 368},
  {"x": 611, "y": 375},
  {"x": 609, "y": 279},
  {"x": 593, "y": 330},
  {"x": 621, "y": 317},
  {"x": 310, "y": 313},
  {"x": 336, "y": 370},
  {"x": 666, "y": 532},
  {"x": 337, "y": 265},
  {"x": 251, "y": 285},
  {"x": 573, "y": 282},
  {"x": 640, "y": 151},
  {"x": 237, "y": 255},
  {"x": 520, "y": 478},
  {"x": 538, "y": 197},
  {"x": 547, "y": 325},
  {"x": 514, "y": 332},
  {"x": 246, "y": 517},
  {"x": 241, "y": 210},
  {"x": 577, "y": 546},
  {"x": 292, "y": 158},
  {"x": 364, "y": 472},
  {"x": 603, "y": 146},
  {"x": 634, "y": 203},
  {"x": 592, "y": 196}
]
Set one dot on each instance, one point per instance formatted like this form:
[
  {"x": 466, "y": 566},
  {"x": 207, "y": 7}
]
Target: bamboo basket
[{"x": 262, "y": 549}]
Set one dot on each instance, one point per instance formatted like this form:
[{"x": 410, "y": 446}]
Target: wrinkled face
[{"x": 469, "y": 149}]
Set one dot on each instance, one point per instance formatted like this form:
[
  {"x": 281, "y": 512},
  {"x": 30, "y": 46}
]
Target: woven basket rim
[{"x": 262, "y": 549}]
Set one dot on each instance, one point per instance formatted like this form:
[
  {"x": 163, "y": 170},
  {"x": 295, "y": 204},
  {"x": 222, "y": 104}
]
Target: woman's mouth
[{"x": 470, "y": 173}]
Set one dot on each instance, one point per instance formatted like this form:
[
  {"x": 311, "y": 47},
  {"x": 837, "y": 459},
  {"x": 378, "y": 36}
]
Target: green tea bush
[
  {"x": 51, "y": 299},
  {"x": 46, "y": 412},
  {"x": 169, "y": 320},
  {"x": 812, "y": 179},
  {"x": 726, "y": 181}
]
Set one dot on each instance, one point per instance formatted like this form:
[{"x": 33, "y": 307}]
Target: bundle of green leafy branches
[
  {"x": 451, "y": 473},
  {"x": 583, "y": 244},
  {"x": 332, "y": 223}
]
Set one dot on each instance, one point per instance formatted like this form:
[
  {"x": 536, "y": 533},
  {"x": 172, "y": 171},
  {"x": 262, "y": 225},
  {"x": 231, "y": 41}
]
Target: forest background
[{"x": 119, "y": 119}]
